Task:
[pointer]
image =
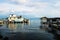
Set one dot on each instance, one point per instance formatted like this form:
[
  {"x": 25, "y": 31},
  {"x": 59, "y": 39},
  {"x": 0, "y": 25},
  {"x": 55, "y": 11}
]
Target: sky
[{"x": 30, "y": 8}]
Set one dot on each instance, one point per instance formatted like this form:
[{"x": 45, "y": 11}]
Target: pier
[{"x": 52, "y": 24}]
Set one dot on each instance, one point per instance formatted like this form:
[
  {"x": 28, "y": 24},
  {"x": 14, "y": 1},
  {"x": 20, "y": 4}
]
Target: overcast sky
[{"x": 31, "y": 8}]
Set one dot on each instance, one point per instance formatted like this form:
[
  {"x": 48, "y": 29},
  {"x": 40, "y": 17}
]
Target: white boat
[{"x": 14, "y": 18}]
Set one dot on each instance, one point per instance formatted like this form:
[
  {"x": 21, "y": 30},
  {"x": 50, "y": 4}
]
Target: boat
[{"x": 17, "y": 19}]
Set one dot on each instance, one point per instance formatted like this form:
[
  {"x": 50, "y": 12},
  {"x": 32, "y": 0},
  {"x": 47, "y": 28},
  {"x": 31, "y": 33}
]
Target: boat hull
[{"x": 18, "y": 22}]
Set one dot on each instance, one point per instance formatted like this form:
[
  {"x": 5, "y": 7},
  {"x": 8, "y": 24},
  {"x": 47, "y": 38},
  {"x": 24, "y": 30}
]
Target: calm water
[{"x": 33, "y": 26}]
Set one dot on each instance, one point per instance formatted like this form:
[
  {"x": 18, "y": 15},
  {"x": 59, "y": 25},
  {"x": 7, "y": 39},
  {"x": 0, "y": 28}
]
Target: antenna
[{"x": 11, "y": 11}]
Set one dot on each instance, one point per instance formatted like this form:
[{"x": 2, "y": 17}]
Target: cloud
[
  {"x": 19, "y": 1},
  {"x": 53, "y": 10},
  {"x": 35, "y": 8}
]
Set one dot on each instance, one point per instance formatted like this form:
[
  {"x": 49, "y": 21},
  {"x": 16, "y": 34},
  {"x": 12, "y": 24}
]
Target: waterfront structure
[
  {"x": 53, "y": 23},
  {"x": 44, "y": 23}
]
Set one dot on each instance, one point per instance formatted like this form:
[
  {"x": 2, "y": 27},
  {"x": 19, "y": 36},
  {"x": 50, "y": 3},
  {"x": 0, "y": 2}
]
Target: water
[{"x": 33, "y": 26}]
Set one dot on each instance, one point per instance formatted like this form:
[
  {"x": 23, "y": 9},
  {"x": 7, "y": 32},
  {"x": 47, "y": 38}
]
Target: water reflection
[
  {"x": 12, "y": 26},
  {"x": 17, "y": 27},
  {"x": 24, "y": 31}
]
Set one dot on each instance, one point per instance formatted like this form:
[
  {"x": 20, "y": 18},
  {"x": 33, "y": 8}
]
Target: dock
[{"x": 52, "y": 24}]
